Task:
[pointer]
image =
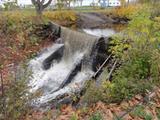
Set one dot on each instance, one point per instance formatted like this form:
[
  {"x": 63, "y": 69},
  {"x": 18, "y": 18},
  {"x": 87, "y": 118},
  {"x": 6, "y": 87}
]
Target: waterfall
[
  {"x": 64, "y": 67},
  {"x": 76, "y": 42}
]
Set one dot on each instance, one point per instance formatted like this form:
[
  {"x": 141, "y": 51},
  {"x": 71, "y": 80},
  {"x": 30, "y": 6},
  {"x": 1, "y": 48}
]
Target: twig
[
  {"x": 100, "y": 68},
  {"x": 146, "y": 99},
  {"x": 3, "y": 99},
  {"x": 15, "y": 73},
  {"x": 2, "y": 85},
  {"x": 113, "y": 68}
]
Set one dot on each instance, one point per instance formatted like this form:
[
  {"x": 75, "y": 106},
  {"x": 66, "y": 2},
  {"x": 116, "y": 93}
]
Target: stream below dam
[{"x": 64, "y": 67}]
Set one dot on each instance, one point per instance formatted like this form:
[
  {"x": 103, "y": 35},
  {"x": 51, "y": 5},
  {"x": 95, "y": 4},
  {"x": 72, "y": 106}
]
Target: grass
[
  {"x": 74, "y": 117},
  {"x": 61, "y": 16},
  {"x": 127, "y": 11},
  {"x": 140, "y": 112},
  {"x": 92, "y": 9},
  {"x": 96, "y": 116}
]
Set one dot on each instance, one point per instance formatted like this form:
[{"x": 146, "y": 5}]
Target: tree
[
  {"x": 59, "y": 4},
  {"x": 10, "y": 5},
  {"x": 40, "y": 5},
  {"x": 66, "y": 3},
  {"x": 81, "y": 1}
]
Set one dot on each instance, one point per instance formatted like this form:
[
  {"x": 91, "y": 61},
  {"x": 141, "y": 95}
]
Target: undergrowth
[
  {"x": 17, "y": 37},
  {"x": 126, "y": 11},
  {"x": 138, "y": 51},
  {"x": 61, "y": 16},
  {"x": 15, "y": 99},
  {"x": 20, "y": 41}
]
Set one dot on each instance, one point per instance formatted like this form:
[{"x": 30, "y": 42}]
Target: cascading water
[{"x": 65, "y": 66}]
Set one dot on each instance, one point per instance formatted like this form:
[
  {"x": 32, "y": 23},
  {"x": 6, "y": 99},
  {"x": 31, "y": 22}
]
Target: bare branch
[
  {"x": 47, "y": 4},
  {"x": 113, "y": 68},
  {"x": 102, "y": 66},
  {"x": 42, "y": 1}
]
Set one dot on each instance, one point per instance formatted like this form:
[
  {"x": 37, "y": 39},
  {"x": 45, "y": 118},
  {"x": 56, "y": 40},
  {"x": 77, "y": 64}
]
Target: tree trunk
[
  {"x": 40, "y": 5},
  {"x": 81, "y": 2},
  {"x": 39, "y": 10}
]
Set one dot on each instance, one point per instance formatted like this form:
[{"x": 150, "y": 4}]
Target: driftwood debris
[
  {"x": 113, "y": 68},
  {"x": 2, "y": 84},
  {"x": 100, "y": 68}
]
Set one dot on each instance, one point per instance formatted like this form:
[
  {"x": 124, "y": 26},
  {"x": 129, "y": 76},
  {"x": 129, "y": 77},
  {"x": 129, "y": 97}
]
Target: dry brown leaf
[
  {"x": 124, "y": 105},
  {"x": 138, "y": 97}
]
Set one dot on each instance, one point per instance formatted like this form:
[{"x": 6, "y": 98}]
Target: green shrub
[
  {"x": 138, "y": 51},
  {"x": 74, "y": 117},
  {"x": 126, "y": 11},
  {"x": 93, "y": 93},
  {"x": 140, "y": 112},
  {"x": 15, "y": 101},
  {"x": 140, "y": 68},
  {"x": 61, "y": 16}
]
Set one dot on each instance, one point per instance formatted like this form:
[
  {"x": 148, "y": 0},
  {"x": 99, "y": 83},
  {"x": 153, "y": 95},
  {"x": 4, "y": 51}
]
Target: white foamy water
[
  {"x": 36, "y": 64},
  {"x": 52, "y": 78},
  {"x": 67, "y": 75},
  {"x": 75, "y": 86},
  {"x": 107, "y": 32}
]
